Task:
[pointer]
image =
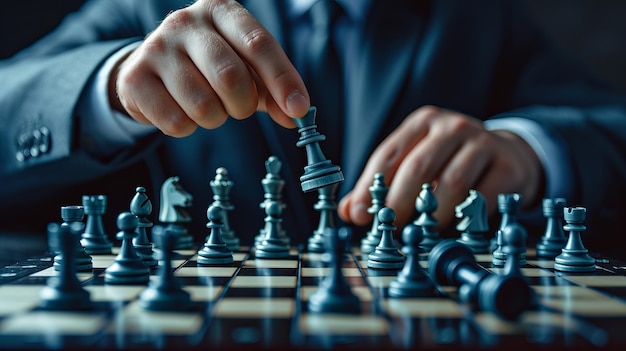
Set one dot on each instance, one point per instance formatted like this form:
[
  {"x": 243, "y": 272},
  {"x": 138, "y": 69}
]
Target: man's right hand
[{"x": 204, "y": 63}]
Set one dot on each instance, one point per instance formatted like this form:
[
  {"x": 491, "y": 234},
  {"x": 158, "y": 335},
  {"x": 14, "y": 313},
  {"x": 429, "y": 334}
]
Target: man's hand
[
  {"x": 455, "y": 153},
  {"x": 204, "y": 63}
]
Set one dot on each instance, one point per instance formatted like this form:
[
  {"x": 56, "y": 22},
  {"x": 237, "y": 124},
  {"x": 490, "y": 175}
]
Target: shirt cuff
[
  {"x": 549, "y": 148},
  {"x": 104, "y": 131}
]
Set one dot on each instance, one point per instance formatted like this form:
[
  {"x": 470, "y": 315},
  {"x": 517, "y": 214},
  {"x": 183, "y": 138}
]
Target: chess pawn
[
  {"x": 378, "y": 191},
  {"x": 553, "y": 239},
  {"x": 513, "y": 238},
  {"x": 426, "y": 204},
  {"x": 221, "y": 186},
  {"x": 165, "y": 292},
  {"x": 412, "y": 281},
  {"x": 64, "y": 291},
  {"x": 386, "y": 255},
  {"x": 574, "y": 256},
  {"x": 127, "y": 267},
  {"x": 327, "y": 206},
  {"x": 272, "y": 246},
  {"x": 94, "y": 238},
  {"x": 73, "y": 216},
  {"x": 141, "y": 207},
  {"x": 214, "y": 251}
]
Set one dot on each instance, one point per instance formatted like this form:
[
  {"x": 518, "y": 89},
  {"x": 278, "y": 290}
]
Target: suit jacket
[{"x": 483, "y": 58}]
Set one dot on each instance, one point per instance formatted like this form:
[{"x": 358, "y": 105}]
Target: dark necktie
[{"x": 324, "y": 77}]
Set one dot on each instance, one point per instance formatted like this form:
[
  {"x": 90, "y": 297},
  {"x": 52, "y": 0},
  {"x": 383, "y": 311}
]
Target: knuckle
[
  {"x": 178, "y": 19},
  {"x": 176, "y": 125},
  {"x": 230, "y": 77},
  {"x": 257, "y": 41}
]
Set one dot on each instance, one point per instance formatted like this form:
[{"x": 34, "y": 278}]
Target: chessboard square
[
  {"x": 529, "y": 272},
  {"x": 205, "y": 271},
  {"x": 547, "y": 264},
  {"x": 51, "y": 272},
  {"x": 261, "y": 292},
  {"x": 342, "y": 324},
  {"x": 325, "y": 271},
  {"x": 423, "y": 307},
  {"x": 362, "y": 292},
  {"x": 580, "y": 301},
  {"x": 381, "y": 282},
  {"x": 54, "y": 323},
  {"x": 117, "y": 293},
  {"x": 268, "y": 272},
  {"x": 254, "y": 307},
  {"x": 18, "y": 298},
  {"x": 527, "y": 322},
  {"x": 482, "y": 258},
  {"x": 264, "y": 282},
  {"x": 597, "y": 280},
  {"x": 102, "y": 261},
  {"x": 204, "y": 293},
  {"x": 239, "y": 256},
  {"x": 260, "y": 263},
  {"x": 134, "y": 319}
]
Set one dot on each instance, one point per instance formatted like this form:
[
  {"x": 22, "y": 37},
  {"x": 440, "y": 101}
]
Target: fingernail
[{"x": 297, "y": 104}]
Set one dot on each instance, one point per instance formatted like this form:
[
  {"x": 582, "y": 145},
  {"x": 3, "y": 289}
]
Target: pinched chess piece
[
  {"x": 334, "y": 294},
  {"x": 474, "y": 224},
  {"x": 426, "y": 204},
  {"x": 64, "y": 291},
  {"x": 221, "y": 186},
  {"x": 319, "y": 172},
  {"x": 574, "y": 256},
  {"x": 386, "y": 255},
  {"x": 173, "y": 212},
  {"x": 412, "y": 281},
  {"x": 272, "y": 245},
  {"x": 165, "y": 292},
  {"x": 451, "y": 263},
  {"x": 141, "y": 207},
  {"x": 127, "y": 267},
  {"x": 94, "y": 238},
  {"x": 553, "y": 239},
  {"x": 378, "y": 191},
  {"x": 73, "y": 216},
  {"x": 327, "y": 206},
  {"x": 215, "y": 251},
  {"x": 509, "y": 206}
]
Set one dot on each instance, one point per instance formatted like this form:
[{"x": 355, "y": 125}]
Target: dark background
[{"x": 592, "y": 32}]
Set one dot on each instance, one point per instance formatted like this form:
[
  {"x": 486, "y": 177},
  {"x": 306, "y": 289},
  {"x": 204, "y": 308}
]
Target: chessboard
[{"x": 256, "y": 302}]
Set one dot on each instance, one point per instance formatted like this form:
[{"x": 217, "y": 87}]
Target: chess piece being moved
[
  {"x": 474, "y": 223},
  {"x": 378, "y": 191},
  {"x": 426, "y": 204},
  {"x": 509, "y": 206},
  {"x": 165, "y": 292},
  {"x": 94, "y": 238},
  {"x": 73, "y": 216},
  {"x": 412, "y": 281},
  {"x": 319, "y": 172},
  {"x": 141, "y": 207},
  {"x": 174, "y": 203},
  {"x": 221, "y": 186},
  {"x": 334, "y": 294},
  {"x": 64, "y": 291},
  {"x": 272, "y": 245},
  {"x": 215, "y": 251},
  {"x": 553, "y": 239},
  {"x": 574, "y": 256},
  {"x": 327, "y": 207},
  {"x": 386, "y": 254},
  {"x": 451, "y": 263},
  {"x": 127, "y": 267}
]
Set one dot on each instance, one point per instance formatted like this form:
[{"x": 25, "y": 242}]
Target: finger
[{"x": 264, "y": 54}]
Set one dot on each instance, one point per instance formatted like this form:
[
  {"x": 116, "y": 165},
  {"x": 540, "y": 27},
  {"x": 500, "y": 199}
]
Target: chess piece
[
  {"x": 273, "y": 185},
  {"x": 412, "y": 281},
  {"x": 513, "y": 238},
  {"x": 127, "y": 267},
  {"x": 451, "y": 263},
  {"x": 574, "y": 256},
  {"x": 73, "y": 216},
  {"x": 474, "y": 224},
  {"x": 272, "y": 246},
  {"x": 334, "y": 294},
  {"x": 174, "y": 202},
  {"x": 221, "y": 186},
  {"x": 214, "y": 251},
  {"x": 378, "y": 191},
  {"x": 319, "y": 171},
  {"x": 426, "y": 204},
  {"x": 386, "y": 255},
  {"x": 327, "y": 207},
  {"x": 94, "y": 238},
  {"x": 553, "y": 239},
  {"x": 165, "y": 292},
  {"x": 509, "y": 207},
  {"x": 64, "y": 291},
  {"x": 141, "y": 207}
]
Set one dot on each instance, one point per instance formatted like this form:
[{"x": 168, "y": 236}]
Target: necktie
[{"x": 324, "y": 77}]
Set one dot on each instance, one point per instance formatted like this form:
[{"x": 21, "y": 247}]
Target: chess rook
[
  {"x": 319, "y": 172},
  {"x": 73, "y": 216},
  {"x": 553, "y": 239},
  {"x": 94, "y": 239}
]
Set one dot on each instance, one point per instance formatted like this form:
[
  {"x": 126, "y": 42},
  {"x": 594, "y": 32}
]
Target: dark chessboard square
[
  {"x": 204, "y": 281},
  {"x": 268, "y": 272},
  {"x": 261, "y": 292},
  {"x": 242, "y": 333}
]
